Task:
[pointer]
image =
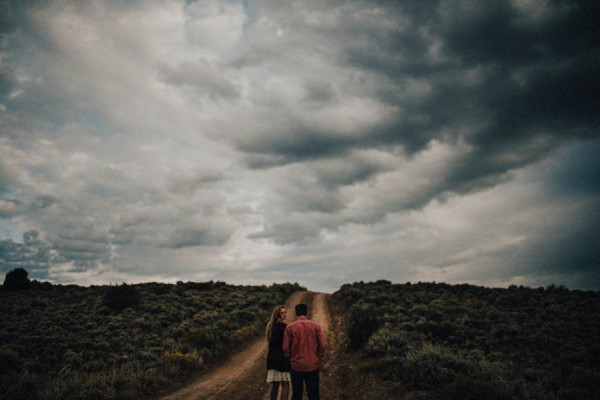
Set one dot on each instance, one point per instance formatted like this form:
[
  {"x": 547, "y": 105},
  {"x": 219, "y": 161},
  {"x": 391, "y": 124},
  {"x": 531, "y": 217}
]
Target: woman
[{"x": 278, "y": 366}]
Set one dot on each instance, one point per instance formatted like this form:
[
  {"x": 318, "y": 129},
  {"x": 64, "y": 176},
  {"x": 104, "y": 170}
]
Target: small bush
[
  {"x": 432, "y": 367},
  {"x": 18, "y": 387},
  {"x": 9, "y": 362},
  {"x": 363, "y": 321},
  {"x": 387, "y": 341},
  {"x": 118, "y": 298},
  {"x": 93, "y": 394},
  {"x": 17, "y": 279},
  {"x": 176, "y": 363},
  {"x": 469, "y": 388}
]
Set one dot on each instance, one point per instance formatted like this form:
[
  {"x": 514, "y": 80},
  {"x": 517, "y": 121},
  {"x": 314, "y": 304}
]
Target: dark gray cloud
[
  {"x": 33, "y": 254},
  {"x": 578, "y": 175},
  {"x": 189, "y": 181},
  {"x": 13, "y": 13},
  {"x": 14, "y": 207},
  {"x": 511, "y": 81},
  {"x": 192, "y": 237},
  {"x": 82, "y": 249},
  {"x": 321, "y": 140},
  {"x": 562, "y": 249},
  {"x": 319, "y": 92},
  {"x": 349, "y": 170}
]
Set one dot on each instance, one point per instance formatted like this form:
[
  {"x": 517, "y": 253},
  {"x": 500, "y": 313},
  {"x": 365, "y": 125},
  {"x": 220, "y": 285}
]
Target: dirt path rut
[{"x": 243, "y": 376}]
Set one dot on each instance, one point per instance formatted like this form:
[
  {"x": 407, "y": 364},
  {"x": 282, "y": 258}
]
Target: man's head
[{"x": 301, "y": 309}]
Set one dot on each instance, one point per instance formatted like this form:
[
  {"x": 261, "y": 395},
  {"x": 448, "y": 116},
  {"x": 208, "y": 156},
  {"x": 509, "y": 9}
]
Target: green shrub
[
  {"x": 18, "y": 387},
  {"x": 388, "y": 341},
  {"x": 64, "y": 344},
  {"x": 17, "y": 279},
  {"x": 430, "y": 367},
  {"x": 94, "y": 394},
  {"x": 9, "y": 362},
  {"x": 213, "y": 344},
  {"x": 118, "y": 298},
  {"x": 444, "y": 340},
  {"x": 363, "y": 321},
  {"x": 178, "y": 363},
  {"x": 469, "y": 388}
]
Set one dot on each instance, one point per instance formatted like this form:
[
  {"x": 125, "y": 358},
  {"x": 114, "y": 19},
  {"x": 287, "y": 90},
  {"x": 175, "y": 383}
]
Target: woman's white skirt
[{"x": 278, "y": 376}]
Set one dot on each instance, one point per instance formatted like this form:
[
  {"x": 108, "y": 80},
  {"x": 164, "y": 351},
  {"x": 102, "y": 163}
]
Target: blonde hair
[{"x": 275, "y": 317}]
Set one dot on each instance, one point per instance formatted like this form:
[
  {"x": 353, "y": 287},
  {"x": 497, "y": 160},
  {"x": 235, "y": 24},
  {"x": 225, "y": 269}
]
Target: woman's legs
[
  {"x": 274, "y": 390},
  {"x": 285, "y": 390}
]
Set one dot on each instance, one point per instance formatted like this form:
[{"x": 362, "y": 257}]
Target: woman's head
[{"x": 278, "y": 314}]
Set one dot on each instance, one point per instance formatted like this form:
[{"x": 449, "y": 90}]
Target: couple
[{"x": 295, "y": 352}]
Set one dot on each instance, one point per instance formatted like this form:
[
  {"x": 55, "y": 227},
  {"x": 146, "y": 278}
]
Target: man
[{"x": 304, "y": 345}]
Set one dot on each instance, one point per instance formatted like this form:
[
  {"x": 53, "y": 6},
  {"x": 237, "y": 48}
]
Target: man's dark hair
[{"x": 301, "y": 309}]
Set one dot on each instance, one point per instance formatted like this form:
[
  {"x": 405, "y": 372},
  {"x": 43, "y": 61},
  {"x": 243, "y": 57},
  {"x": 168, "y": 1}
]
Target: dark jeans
[{"x": 299, "y": 378}]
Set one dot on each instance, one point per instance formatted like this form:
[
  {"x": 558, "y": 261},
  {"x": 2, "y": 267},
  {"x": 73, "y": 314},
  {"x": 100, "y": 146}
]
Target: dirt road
[{"x": 243, "y": 376}]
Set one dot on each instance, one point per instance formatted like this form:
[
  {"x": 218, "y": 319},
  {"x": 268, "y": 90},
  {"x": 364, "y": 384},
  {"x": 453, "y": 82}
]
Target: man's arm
[{"x": 320, "y": 342}]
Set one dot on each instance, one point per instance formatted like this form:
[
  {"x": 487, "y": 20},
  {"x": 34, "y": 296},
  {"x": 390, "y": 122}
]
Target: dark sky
[{"x": 320, "y": 142}]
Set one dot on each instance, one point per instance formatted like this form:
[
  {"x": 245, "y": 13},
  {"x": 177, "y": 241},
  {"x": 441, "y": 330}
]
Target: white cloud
[{"x": 320, "y": 141}]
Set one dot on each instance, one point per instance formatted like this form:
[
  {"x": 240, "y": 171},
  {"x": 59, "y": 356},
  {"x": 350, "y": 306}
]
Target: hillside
[
  {"x": 388, "y": 341},
  {"x": 123, "y": 342},
  {"x": 440, "y": 341}
]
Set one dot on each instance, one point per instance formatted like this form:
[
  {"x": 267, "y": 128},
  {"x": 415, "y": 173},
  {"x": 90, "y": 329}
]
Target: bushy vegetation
[
  {"x": 17, "y": 279},
  {"x": 118, "y": 298},
  {"x": 440, "y": 341},
  {"x": 125, "y": 341}
]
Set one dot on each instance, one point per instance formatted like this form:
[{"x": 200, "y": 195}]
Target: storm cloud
[{"x": 318, "y": 141}]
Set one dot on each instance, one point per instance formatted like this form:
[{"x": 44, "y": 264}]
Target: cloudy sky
[{"x": 313, "y": 141}]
